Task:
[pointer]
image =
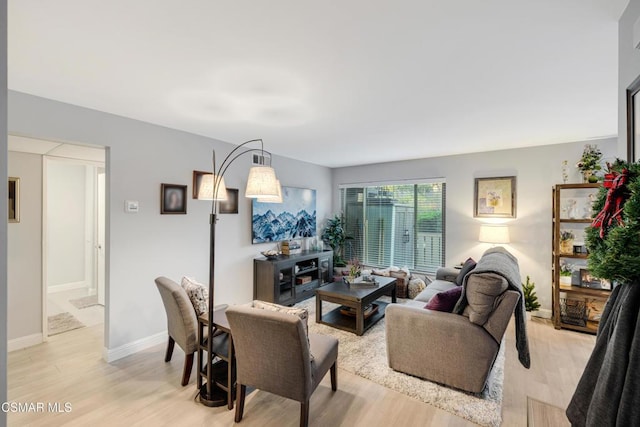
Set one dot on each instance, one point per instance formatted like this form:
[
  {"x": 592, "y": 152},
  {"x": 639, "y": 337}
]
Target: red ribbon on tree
[{"x": 616, "y": 196}]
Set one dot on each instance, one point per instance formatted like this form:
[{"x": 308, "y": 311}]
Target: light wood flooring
[{"x": 142, "y": 390}]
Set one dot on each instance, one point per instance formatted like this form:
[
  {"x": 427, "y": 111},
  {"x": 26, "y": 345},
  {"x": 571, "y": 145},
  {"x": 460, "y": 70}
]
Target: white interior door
[{"x": 100, "y": 244}]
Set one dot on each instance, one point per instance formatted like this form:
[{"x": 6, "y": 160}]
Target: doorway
[{"x": 73, "y": 241}]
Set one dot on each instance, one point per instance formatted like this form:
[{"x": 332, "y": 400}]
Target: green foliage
[
  {"x": 566, "y": 235},
  {"x": 617, "y": 256},
  {"x": 590, "y": 160},
  {"x": 530, "y": 298},
  {"x": 335, "y": 236}
]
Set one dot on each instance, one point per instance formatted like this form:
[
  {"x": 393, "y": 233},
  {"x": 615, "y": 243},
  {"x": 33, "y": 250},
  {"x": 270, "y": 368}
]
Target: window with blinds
[{"x": 400, "y": 225}]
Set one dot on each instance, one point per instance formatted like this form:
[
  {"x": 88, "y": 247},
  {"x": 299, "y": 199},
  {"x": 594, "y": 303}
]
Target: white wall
[
  {"x": 537, "y": 169},
  {"x": 628, "y": 68},
  {"x": 143, "y": 246},
  {"x": 25, "y": 249},
  {"x": 66, "y": 208},
  {"x": 3, "y": 208}
]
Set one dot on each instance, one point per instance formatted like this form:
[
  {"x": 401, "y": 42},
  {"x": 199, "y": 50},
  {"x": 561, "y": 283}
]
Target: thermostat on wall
[{"x": 131, "y": 206}]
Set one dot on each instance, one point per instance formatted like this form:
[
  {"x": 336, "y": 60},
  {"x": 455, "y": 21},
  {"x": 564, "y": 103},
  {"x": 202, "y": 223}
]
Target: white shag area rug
[{"x": 366, "y": 356}]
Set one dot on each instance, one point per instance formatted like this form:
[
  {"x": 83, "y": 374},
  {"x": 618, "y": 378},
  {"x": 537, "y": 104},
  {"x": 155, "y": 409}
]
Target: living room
[{"x": 143, "y": 152}]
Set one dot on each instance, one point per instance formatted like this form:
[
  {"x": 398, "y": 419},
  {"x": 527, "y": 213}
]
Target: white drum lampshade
[
  {"x": 262, "y": 182},
  {"x": 273, "y": 199},
  {"x": 494, "y": 233},
  {"x": 205, "y": 192}
]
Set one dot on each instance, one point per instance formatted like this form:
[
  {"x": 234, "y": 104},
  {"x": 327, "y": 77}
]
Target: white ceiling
[
  {"x": 55, "y": 149},
  {"x": 332, "y": 82}
]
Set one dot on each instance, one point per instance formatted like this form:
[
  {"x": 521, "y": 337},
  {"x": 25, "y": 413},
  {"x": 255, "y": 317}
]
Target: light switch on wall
[{"x": 131, "y": 206}]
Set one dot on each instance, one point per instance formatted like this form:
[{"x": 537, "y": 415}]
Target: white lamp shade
[
  {"x": 262, "y": 182},
  {"x": 494, "y": 233},
  {"x": 272, "y": 199},
  {"x": 207, "y": 188}
]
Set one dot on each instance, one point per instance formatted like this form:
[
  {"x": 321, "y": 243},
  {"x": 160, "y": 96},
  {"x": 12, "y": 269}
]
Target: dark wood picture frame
[
  {"x": 197, "y": 179},
  {"x": 229, "y": 206},
  {"x": 173, "y": 199},
  {"x": 633, "y": 121},
  {"x": 14, "y": 200},
  {"x": 495, "y": 197}
]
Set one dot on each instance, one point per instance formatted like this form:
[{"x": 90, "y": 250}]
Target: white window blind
[{"x": 396, "y": 224}]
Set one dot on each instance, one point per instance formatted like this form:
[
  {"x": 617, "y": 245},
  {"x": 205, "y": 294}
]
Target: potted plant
[
  {"x": 566, "y": 270},
  {"x": 566, "y": 242},
  {"x": 530, "y": 298},
  {"x": 335, "y": 236},
  {"x": 590, "y": 162}
]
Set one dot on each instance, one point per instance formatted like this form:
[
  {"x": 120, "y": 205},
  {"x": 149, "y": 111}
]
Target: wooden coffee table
[{"x": 357, "y": 299}]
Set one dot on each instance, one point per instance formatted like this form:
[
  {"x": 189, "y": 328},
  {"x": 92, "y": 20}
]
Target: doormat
[
  {"x": 84, "y": 302},
  {"x": 63, "y": 322}
]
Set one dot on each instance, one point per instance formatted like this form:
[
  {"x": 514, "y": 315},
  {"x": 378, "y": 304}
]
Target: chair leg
[
  {"x": 304, "y": 414},
  {"x": 170, "y": 344},
  {"x": 241, "y": 391},
  {"x": 188, "y": 365},
  {"x": 334, "y": 376}
]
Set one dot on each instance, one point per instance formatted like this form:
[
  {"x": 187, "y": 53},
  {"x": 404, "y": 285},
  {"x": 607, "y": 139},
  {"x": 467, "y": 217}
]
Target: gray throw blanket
[
  {"x": 608, "y": 393},
  {"x": 499, "y": 261}
]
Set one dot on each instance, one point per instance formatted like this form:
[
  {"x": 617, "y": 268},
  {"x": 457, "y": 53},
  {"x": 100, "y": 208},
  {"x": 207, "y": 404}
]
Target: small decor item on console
[{"x": 270, "y": 254}]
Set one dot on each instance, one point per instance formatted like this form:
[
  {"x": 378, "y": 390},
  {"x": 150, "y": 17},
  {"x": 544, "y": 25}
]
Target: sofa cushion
[
  {"x": 197, "y": 293},
  {"x": 483, "y": 292},
  {"x": 445, "y": 301},
  {"x": 433, "y": 288},
  {"x": 469, "y": 265}
]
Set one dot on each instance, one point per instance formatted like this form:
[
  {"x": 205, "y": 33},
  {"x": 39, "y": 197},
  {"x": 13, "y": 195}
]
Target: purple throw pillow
[
  {"x": 469, "y": 265},
  {"x": 445, "y": 301}
]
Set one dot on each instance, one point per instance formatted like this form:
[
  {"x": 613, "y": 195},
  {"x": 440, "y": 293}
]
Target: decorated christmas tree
[{"x": 613, "y": 239}]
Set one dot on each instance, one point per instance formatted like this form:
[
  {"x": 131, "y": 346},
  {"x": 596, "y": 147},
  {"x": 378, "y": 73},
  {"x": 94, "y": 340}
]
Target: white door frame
[{"x": 45, "y": 285}]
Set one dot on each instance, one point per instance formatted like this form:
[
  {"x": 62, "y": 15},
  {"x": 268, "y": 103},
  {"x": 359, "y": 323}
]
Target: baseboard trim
[
  {"x": 66, "y": 287},
  {"x": 24, "y": 342},
  {"x": 113, "y": 354},
  {"x": 543, "y": 313}
]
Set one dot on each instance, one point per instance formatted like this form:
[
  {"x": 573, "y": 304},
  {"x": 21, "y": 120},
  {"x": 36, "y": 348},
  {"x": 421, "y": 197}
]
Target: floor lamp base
[{"x": 218, "y": 396}]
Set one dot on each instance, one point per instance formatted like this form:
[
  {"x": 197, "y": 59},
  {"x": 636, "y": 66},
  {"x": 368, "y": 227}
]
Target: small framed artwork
[
  {"x": 197, "y": 181},
  {"x": 495, "y": 197},
  {"x": 173, "y": 199},
  {"x": 14, "y": 199},
  {"x": 229, "y": 206},
  {"x": 589, "y": 281}
]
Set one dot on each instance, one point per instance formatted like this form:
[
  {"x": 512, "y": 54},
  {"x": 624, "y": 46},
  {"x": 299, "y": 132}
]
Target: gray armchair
[
  {"x": 274, "y": 355},
  {"x": 182, "y": 323}
]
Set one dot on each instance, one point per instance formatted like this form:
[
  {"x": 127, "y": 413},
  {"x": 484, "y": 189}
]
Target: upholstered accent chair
[
  {"x": 273, "y": 354},
  {"x": 182, "y": 323}
]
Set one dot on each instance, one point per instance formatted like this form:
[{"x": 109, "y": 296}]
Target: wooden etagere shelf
[{"x": 574, "y": 307}]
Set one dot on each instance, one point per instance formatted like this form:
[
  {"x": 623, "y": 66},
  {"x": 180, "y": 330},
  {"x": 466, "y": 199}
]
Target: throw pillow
[
  {"x": 469, "y": 265},
  {"x": 198, "y": 294},
  {"x": 416, "y": 285},
  {"x": 445, "y": 301},
  {"x": 302, "y": 313}
]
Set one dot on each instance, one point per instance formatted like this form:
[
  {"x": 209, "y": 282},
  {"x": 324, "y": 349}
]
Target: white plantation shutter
[{"x": 400, "y": 224}]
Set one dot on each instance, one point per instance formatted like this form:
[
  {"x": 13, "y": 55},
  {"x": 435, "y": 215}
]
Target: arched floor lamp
[{"x": 262, "y": 184}]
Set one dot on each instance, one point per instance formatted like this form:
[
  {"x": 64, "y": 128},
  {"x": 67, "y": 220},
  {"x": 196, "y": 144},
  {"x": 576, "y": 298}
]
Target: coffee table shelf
[{"x": 348, "y": 323}]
